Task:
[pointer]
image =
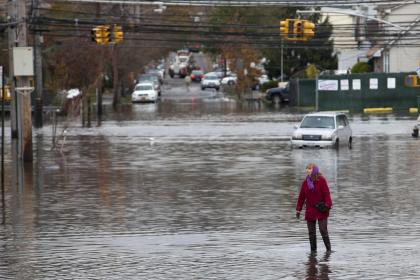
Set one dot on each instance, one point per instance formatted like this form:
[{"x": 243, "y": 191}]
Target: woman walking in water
[{"x": 315, "y": 194}]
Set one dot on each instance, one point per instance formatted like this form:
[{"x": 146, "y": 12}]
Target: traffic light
[
  {"x": 106, "y": 34},
  {"x": 298, "y": 28},
  {"x": 118, "y": 34},
  {"x": 308, "y": 30},
  {"x": 96, "y": 35},
  {"x": 284, "y": 28},
  {"x": 412, "y": 81},
  {"x": 101, "y": 34}
]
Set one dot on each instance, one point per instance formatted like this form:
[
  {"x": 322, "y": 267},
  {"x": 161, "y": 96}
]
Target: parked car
[
  {"x": 210, "y": 81},
  {"x": 322, "y": 129},
  {"x": 197, "y": 75},
  {"x": 278, "y": 95},
  {"x": 144, "y": 92},
  {"x": 229, "y": 80},
  {"x": 263, "y": 79}
]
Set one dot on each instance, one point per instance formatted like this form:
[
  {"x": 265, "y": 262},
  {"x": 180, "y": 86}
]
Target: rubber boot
[
  {"x": 312, "y": 241},
  {"x": 327, "y": 243},
  {"x": 415, "y": 132}
]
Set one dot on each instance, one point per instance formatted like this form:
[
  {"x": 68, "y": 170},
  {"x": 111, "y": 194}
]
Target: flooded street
[{"x": 199, "y": 187}]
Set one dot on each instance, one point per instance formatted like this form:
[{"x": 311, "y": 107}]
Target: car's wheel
[
  {"x": 337, "y": 144},
  {"x": 350, "y": 142},
  {"x": 203, "y": 88},
  {"x": 217, "y": 89},
  {"x": 231, "y": 83}
]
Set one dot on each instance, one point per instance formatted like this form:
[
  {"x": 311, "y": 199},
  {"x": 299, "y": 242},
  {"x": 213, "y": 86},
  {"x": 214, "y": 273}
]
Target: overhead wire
[
  {"x": 315, "y": 3},
  {"x": 157, "y": 25}
]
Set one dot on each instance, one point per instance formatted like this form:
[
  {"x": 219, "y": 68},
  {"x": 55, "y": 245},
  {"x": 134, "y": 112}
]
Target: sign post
[
  {"x": 2, "y": 140},
  {"x": 23, "y": 70}
]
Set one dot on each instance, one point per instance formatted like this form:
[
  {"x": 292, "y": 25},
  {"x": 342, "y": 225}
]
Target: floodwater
[{"x": 203, "y": 188}]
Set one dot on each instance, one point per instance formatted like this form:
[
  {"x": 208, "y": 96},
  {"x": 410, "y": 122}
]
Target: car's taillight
[
  {"x": 202, "y": 76},
  {"x": 192, "y": 76}
]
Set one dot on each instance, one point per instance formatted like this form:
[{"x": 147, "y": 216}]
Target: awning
[{"x": 375, "y": 51}]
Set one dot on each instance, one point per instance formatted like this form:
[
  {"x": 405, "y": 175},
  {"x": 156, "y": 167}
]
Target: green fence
[
  {"x": 302, "y": 92},
  {"x": 355, "y": 92}
]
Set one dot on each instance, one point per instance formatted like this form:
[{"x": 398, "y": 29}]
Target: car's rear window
[
  {"x": 144, "y": 87},
  {"x": 211, "y": 78},
  {"x": 149, "y": 78},
  {"x": 318, "y": 122}
]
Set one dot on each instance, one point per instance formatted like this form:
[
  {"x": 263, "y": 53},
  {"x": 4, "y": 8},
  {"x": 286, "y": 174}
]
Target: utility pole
[
  {"x": 38, "y": 72},
  {"x": 21, "y": 113},
  {"x": 281, "y": 60}
]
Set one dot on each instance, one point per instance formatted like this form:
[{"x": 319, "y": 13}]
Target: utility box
[{"x": 23, "y": 61}]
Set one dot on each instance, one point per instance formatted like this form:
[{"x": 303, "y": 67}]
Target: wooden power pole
[{"x": 20, "y": 65}]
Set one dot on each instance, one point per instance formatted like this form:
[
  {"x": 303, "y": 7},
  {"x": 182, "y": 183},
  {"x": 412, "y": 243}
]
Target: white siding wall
[
  {"x": 404, "y": 59},
  {"x": 347, "y": 56}
]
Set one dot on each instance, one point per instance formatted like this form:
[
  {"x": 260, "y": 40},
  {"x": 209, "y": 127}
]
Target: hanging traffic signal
[
  {"x": 284, "y": 28},
  {"x": 96, "y": 35},
  {"x": 118, "y": 34},
  {"x": 101, "y": 34},
  {"x": 298, "y": 28},
  {"x": 308, "y": 30},
  {"x": 106, "y": 34}
]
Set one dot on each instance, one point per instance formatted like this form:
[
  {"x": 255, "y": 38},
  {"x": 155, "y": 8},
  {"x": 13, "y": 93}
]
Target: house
[
  {"x": 381, "y": 35},
  {"x": 398, "y": 50},
  {"x": 350, "y": 44}
]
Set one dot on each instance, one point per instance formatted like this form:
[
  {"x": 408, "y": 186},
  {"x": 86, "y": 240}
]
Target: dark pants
[{"x": 323, "y": 229}]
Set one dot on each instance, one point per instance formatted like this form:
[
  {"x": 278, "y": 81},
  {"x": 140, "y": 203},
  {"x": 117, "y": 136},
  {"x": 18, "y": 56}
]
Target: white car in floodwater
[
  {"x": 144, "y": 92},
  {"x": 210, "y": 80},
  {"x": 322, "y": 129}
]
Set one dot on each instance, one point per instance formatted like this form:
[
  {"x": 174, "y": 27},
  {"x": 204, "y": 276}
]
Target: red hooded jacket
[{"x": 321, "y": 192}]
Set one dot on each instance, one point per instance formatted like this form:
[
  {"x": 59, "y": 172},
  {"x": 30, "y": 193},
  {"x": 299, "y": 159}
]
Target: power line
[{"x": 244, "y": 3}]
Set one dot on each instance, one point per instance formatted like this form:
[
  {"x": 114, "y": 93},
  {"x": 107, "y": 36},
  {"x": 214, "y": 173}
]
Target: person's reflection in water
[{"x": 318, "y": 269}]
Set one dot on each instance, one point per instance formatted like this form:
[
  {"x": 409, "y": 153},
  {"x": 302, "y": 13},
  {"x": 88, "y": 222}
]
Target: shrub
[
  {"x": 311, "y": 71},
  {"x": 361, "y": 67},
  {"x": 269, "y": 84}
]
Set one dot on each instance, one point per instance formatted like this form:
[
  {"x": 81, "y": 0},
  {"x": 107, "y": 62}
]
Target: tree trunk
[{"x": 116, "y": 94}]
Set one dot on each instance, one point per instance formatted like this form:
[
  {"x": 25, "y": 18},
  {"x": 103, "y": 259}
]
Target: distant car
[
  {"x": 219, "y": 73},
  {"x": 263, "y": 79},
  {"x": 195, "y": 48},
  {"x": 210, "y": 81},
  {"x": 150, "y": 78},
  {"x": 278, "y": 95},
  {"x": 144, "y": 92},
  {"x": 229, "y": 80},
  {"x": 156, "y": 72},
  {"x": 322, "y": 129},
  {"x": 196, "y": 75}
]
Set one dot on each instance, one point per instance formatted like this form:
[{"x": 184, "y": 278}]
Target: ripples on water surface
[{"x": 207, "y": 196}]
